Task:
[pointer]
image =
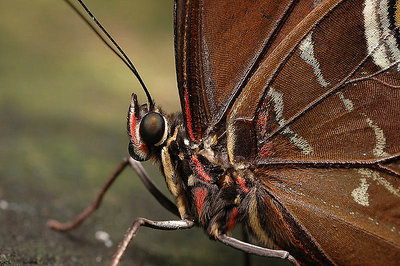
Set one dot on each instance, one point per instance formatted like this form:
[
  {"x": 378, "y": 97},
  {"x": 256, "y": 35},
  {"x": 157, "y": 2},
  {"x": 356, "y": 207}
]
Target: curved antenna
[{"x": 124, "y": 57}]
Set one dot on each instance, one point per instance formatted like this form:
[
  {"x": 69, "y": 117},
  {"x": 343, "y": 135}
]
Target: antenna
[{"x": 119, "y": 52}]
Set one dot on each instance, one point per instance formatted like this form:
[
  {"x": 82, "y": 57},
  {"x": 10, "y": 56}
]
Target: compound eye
[{"x": 152, "y": 129}]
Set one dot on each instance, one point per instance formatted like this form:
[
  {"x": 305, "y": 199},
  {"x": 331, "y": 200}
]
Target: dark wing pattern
[
  {"x": 308, "y": 93},
  {"x": 328, "y": 93},
  {"x": 351, "y": 215},
  {"x": 218, "y": 44}
]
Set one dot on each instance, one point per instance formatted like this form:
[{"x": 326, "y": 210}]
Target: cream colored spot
[
  {"x": 190, "y": 180},
  {"x": 255, "y": 223},
  {"x": 237, "y": 200},
  {"x": 380, "y": 144},
  {"x": 374, "y": 175},
  {"x": 348, "y": 104},
  {"x": 307, "y": 54},
  {"x": 294, "y": 138},
  {"x": 360, "y": 194},
  {"x": 168, "y": 171}
]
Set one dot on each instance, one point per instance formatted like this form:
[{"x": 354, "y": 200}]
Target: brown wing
[
  {"x": 328, "y": 93},
  {"x": 351, "y": 216},
  {"x": 218, "y": 44}
]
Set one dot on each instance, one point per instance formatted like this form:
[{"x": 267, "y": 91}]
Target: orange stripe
[
  {"x": 143, "y": 148},
  {"x": 232, "y": 220},
  {"x": 242, "y": 184},
  {"x": 188, "y": 115},
  {"x": 133, "y": 128},
  {"x": 295, "y": 240},
  {"x": 200, "y": 170},
  {"x": 265, "y": 151},
  {"x": 200, "y": 194}
]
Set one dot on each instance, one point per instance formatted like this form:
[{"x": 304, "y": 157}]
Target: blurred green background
[{"x": 63, "y": 103}]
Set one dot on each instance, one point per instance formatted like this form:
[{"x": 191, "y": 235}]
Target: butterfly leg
[
  {"x": 161, "y": 225},
  {"x": 55, "y": 225},
  {"x": 256, "y": 250}
]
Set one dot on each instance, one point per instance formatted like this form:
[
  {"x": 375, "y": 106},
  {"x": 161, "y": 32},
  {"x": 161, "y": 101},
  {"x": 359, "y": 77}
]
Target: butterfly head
[{"x": 147, "y": 129}]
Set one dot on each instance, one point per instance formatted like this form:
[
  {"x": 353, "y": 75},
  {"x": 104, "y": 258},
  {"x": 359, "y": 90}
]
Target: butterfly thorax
[{"x": 207, "y": 188}]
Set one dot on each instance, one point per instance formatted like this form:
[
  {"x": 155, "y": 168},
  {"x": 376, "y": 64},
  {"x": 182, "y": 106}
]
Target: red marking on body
[
  {"x": 232, "y": 220},
  {"x": 265, "y": 151},
  {"x": 133, "y": 128},
  {"x": 262, "y": 121},
  {"x": 200, "y": 169},
  {"x": 188, "y": 115},
  {"x": 242, "y": 184},
  {"x": 200, "y": 194},
  {"x": 295, "y": 241},
  {"x": 143, "y": 148}
]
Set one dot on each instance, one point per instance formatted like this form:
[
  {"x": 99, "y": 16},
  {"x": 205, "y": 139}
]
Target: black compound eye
[{"x": 152, "y": 128}]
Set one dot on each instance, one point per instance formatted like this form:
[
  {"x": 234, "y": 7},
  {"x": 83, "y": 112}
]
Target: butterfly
[{"x": 290, "y": 126}]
